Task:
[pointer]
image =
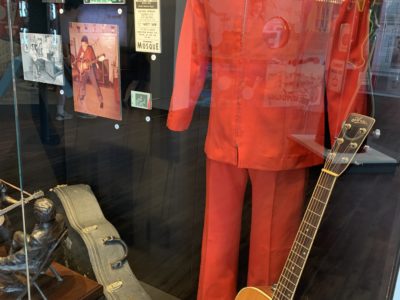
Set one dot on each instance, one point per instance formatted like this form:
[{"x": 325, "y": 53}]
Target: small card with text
[{"x": 141, "y": 100}]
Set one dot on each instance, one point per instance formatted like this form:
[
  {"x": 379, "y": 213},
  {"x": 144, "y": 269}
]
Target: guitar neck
[
  {"x": 88, "y": 62},
  {"x": 305, "y": 237},
  {"x": 95, "y": 60}
]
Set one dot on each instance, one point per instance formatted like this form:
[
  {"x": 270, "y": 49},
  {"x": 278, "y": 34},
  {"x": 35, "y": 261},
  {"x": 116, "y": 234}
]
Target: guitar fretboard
[{"x": 301, "y": 247}]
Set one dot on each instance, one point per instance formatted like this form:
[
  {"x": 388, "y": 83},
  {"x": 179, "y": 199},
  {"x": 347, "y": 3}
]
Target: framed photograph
[
  {"x": 42, "y": 58},
  {"x": 96, "y": 69}
]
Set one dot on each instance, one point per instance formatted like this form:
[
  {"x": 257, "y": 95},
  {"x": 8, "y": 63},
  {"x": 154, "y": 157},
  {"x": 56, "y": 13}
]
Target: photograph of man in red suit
[
  {"x": 87, "y": 64},
  {"x": 95, "y": 65}
]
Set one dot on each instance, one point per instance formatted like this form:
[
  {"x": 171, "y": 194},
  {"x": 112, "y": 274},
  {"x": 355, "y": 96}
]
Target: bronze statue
[
  {"x": 45, "y": 233},
  {"x": 5, "y": 224}
]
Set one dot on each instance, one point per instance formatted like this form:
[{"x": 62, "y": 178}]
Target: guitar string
[
  {"x": 323, "y": 179},
  {"x": 299, "y": 238},
  {"x": 289, "y": 270},
  {"x": 300, "y": 258},
  {"x": 294, "y": 260}
]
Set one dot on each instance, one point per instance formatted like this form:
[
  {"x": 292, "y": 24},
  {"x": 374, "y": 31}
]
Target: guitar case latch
[{"x": 114, "y": 286}]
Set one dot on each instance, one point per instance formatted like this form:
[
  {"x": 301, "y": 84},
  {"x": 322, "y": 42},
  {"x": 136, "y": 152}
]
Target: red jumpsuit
[{"x": 271, "y": 68}]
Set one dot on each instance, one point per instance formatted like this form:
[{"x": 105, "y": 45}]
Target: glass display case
[{"x": 187, "y": 149}]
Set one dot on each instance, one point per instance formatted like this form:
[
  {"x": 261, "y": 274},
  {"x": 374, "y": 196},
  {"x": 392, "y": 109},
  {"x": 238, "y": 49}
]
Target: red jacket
[
  {"x": 86, "y": 56},
  {"x": 270, "y": 61}
]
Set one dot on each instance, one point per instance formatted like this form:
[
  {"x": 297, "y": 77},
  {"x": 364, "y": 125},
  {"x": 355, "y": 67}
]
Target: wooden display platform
[{"x": 74, "y": 287}]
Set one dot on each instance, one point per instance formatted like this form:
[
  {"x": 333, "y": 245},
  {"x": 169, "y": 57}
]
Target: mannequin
[{"x": 270, "y": 64}]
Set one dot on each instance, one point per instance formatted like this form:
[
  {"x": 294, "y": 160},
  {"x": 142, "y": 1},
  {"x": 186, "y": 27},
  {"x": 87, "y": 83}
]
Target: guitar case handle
[{"x": 112, "y": 240}]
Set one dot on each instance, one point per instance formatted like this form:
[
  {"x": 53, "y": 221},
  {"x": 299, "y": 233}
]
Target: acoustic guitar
[{"x": 352, "y": 135}]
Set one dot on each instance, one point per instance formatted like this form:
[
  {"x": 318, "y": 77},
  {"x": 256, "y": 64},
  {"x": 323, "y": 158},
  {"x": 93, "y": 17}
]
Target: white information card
[{"x": 147, "y": 26}]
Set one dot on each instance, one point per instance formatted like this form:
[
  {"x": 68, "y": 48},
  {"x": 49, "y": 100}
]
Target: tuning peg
[
  {"x": 353, "y": 145},
  {"x": 363, "y": 130},
  {"x": 340, "y": 141}
]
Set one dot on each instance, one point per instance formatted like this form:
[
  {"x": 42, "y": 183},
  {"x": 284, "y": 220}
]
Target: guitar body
[
  {"x": 255, "y": 293},
  {"x": 82, "y": 66}
]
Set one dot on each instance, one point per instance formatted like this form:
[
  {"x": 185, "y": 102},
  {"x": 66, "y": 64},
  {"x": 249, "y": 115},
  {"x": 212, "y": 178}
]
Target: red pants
[{"x": 277, "y": 205}]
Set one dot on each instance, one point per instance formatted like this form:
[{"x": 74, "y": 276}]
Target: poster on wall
[
  {"x": 147, "y": 26},
  {"x": 42, "y": 58},
  {"x": 96, "y": 69}
]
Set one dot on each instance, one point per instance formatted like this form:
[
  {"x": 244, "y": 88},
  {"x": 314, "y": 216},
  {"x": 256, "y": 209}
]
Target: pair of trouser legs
[
  {"x": 277, "y": 205},
  {"x": 89, "y": 75}
]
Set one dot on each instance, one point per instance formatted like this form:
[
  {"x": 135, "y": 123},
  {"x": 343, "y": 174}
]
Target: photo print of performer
[
  {"x": 42, "y": 58},
  {"x": 95, "y": 66},
  {"x": 36, "y": 52},
  {"x": 87, "y": 64}
]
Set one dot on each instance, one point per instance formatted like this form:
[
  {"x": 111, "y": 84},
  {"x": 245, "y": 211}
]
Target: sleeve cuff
[{"x": 179, "y": 120}]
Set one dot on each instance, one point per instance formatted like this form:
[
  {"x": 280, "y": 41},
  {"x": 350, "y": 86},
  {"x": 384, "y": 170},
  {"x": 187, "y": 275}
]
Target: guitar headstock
[{"x": 354, "y": 131}]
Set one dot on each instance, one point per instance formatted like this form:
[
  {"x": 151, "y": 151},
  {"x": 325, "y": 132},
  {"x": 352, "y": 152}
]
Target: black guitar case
[{"x": 93, "y": 247}]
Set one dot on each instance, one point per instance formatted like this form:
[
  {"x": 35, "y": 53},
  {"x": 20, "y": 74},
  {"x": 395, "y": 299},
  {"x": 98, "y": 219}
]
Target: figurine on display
[{"x": 45, "y": 233}]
